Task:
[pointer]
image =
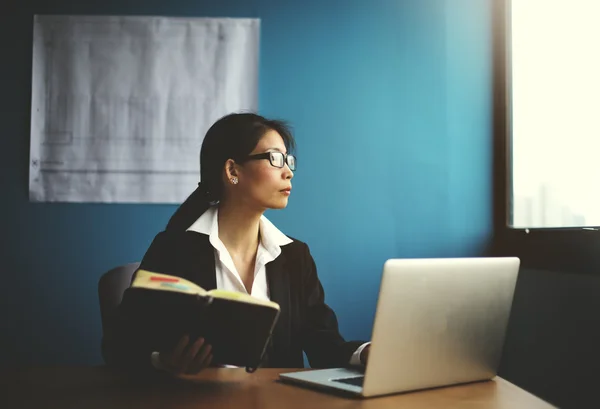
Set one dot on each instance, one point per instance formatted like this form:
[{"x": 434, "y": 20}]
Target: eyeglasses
[{"x": 277, "y": 159}]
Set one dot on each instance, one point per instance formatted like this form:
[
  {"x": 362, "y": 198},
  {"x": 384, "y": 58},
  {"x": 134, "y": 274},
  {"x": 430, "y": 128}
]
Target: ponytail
[{"x": 191, "y": 209}]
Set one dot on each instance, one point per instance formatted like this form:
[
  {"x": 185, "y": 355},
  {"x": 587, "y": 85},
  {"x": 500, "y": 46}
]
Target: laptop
[{"x": 439, "y": 322}]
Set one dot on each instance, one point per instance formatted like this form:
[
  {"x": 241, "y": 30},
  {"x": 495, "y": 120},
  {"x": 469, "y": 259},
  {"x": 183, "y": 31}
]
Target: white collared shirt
[{"x": 228, "y": 278}]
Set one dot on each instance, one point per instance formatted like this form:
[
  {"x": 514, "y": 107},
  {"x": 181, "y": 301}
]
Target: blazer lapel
[
  {"x": 199, "y": 259},
  {"x": 279, "y": 292}
]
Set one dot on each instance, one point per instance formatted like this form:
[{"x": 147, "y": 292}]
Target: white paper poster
[{"x": 120, "y": 104}]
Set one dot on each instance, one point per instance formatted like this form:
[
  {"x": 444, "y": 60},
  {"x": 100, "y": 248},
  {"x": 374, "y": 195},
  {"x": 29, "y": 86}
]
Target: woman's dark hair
[{"x": 232, "y": 137}]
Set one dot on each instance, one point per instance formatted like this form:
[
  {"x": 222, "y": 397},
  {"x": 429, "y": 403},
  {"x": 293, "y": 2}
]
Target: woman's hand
[{"x": 187, "y": 358}]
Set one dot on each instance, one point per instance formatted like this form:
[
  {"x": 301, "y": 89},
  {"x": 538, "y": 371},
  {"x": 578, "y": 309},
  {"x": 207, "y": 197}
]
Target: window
[{"x": 554, "y": 111}]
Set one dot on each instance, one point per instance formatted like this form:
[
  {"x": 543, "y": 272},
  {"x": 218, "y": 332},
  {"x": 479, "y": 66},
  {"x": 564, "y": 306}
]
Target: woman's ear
[{"x": 231, "y": 169}]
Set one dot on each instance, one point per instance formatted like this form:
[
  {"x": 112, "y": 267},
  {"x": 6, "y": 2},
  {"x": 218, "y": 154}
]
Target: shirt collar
[{"x": 271, "y": 237}]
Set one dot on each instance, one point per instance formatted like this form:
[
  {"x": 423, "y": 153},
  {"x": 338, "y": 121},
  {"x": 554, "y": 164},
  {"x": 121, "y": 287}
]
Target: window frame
[{"x": 566, "y": 249}]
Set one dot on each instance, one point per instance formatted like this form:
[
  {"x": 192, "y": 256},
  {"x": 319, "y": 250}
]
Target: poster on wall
[{"x": 120, "y": 104}]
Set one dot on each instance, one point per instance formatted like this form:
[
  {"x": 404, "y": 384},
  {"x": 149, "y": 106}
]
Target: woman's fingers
[
  {"x": 187, "y": 357},
  {"x": 171, "y": 360},
  {"x": 190, "y": 355},
  {"x": 201, "y": 360}
]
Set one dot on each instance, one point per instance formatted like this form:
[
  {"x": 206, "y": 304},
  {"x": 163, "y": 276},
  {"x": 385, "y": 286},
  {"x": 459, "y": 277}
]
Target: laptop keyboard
[{"x": 355, "y": 380}]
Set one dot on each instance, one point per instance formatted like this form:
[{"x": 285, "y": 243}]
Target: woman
[{"x": 219, "y": 238}]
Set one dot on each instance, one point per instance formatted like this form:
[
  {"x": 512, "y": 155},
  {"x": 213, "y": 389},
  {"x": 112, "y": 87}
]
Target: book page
[
  {"x": 164, "y": 282},
  {"x": 237, "y": 296},
  {"x": 156, "y": 281}
]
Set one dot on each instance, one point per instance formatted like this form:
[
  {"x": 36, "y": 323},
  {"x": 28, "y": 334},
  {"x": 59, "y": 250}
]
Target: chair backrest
[{"x": 111, "y": 287}]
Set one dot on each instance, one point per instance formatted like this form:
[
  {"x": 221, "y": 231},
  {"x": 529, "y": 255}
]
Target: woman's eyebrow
[{"x": 274, "y": 149}]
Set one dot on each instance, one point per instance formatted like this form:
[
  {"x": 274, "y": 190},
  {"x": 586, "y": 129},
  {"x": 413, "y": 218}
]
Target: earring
[{"x": 234, "y": 180}]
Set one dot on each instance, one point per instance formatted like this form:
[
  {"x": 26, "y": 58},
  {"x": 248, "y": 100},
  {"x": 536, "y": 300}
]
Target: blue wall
[{"x": 391, "y": 102}]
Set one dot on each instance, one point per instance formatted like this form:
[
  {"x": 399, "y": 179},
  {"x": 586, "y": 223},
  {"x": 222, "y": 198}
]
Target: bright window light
[{"x": 555, "y": 112}]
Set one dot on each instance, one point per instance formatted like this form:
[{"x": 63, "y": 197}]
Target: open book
[{"x": 162, "y": 308}]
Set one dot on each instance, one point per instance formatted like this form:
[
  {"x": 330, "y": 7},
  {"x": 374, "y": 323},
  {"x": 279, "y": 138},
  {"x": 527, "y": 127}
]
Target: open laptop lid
[{"x": 439, "y": 322}]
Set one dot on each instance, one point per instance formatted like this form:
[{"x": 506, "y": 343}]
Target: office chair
[{"x": 111, "y": 287}]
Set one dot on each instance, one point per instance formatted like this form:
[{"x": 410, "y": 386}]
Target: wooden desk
[{"x": 101, "y": 387}]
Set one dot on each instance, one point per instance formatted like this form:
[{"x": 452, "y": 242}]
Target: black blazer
[{"x": 305, "y": 322}]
